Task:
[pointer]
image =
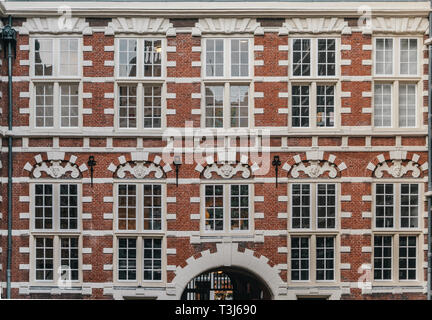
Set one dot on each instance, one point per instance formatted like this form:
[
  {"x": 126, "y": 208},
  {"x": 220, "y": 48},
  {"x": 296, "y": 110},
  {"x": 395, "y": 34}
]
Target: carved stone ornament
[
  {"x": 397, "y": 169},
  {"x": 140, "y": 169},
  {"x": 55, "y": 169},
  {"x": 314, "y": 170},
  {"x": 227, "y": 170}
]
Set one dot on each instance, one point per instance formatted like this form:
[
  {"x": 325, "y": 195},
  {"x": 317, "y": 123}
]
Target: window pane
[
  {"x": 239, "y": 57},
  {"x": 409, "y": 205},
  {"x": 301, "y": 57},
  {"x": 300, "y": 106},
  {"x": 152, "y": 58},
  {"x": 214, "y": 58},
  {"x": 127, "y": 106},
  {"x": 239, "y": 207},
  {"x": 44, "y": 259},
  {"x": 326, "y": 57},
  {"x": 214, "y": 106},
  {"x": 69, "y": 57},
  {"x": 325, "y": 258},
  {"x": 214, "y": 207},
  {"x": 126, "y": 207},
  {"x": 127, "y": 259},
  {"x": 43, "y": 206},
  {"x": 300, "y": 259},
  {"x": 383, "y": 105},
  {"x": 43, "y": 63},
  {"x": 325, "y": 106},
  {"x": 408, "y": 56},
  {"x": 152, "y": 106},
  {"x": 239, "y": 99},
  {"x": 326, "y": 206},
  {"x": 384, "y": 56},
  {"x": 44, "y": 115},
  {"x": 407, "y": 105},
  {"x": 300, "y": 206},
  {"x": 382, "y": 257},
  {"x": 127, "y": 57},
  {"x": 152, "y": 200},
  {"x": 152, "y": 259}
]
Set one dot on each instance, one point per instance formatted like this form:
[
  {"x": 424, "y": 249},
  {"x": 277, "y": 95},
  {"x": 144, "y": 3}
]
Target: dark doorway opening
[{"x": 226, "y": 284}]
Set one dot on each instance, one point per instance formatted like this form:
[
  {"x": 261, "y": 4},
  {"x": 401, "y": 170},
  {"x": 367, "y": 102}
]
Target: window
[
  {"x": 314, "y": 57},
  {"x": 139, "y": 58},
  {"x": 226, "y": 100},
  {"x": 312, "y": 258},
  {"x": 385, "y": 103},
  {"x": 407, "y": 258},
  {"x": 57, "y": 101},
  {"x": 397, "y": 76},
  {"x": 139, "y": 207},
  {"x": 227, "y": 208},
  {"x": 396, "y": 205},
  {"x": 55, "y": 232},
  {"x": 384, "y": 56},
  {"x": 301, "y": 57},
  {"x": 382, "y": 257},
  {"x": 227, "y": 57},
  {"x": 140, "y": 259},
  {"x": 313, "y": 102},
  {"x": 300, "y": 258},
  {"x": 127, "y": 258},
  {"x": 140, "y": 83},
  {"x": 325, "y": 252},
  {"x": 56, "y": 207},
  {"x": 306, "y": 213},
  {"x": 397, "y": 213},
  {"x": 56, "y": 258},
  {"x": 389, "y": 266}
]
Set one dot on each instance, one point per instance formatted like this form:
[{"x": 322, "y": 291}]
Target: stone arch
[
  {"x": 139, "y": 164},
  {"x": 319, "y": 162},
  {"x": 397, "y": 164},
  {"x": 56, "y": 166},
  {"x": 227, "y": 255}
]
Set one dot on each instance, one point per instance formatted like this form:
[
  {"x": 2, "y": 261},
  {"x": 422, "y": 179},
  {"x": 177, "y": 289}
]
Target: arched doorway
[{"x": 227, "y": 283}]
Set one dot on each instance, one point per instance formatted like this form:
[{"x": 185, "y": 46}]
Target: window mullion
[
  {"x": 395, "y": 104},
  {"x": 227, "y": 106},
  {"x": 313, "y": 105},
  {"x": 139, "y": 260}
]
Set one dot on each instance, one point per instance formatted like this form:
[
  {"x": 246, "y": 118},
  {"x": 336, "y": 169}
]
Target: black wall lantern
[
  {"x": 276, "y": 163},
  {"x": 91, "y": 163},
  {"x": 177, "y": 162}
]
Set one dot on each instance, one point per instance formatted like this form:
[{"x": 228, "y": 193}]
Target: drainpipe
[
  {"x": 429, "y": 193},
  {"x": 8, "y": 37}
]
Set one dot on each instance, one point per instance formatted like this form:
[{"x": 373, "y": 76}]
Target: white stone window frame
[
  {"x": 56, "y": 206},
  {"x": 313, "y": 258},
  {"x": 56, "y": 259},
  {"x": 140, "y": 81},
  {"x": 397, "y": 231},
  {"x": 140, "y": 207},
  {"x": 227, "y": 209},
  {"x": 395, "y": 85},
  {"x": 397, "y": 185},
  {"x": 140, "y": 57},
  {"x": 313, "y": 216},
  {"x": 314, "y": 56},
  {"x": 227, "y": 80},
  {"x": 139, "y": 281},
  {"x": 56, "y": 80},
  {"x": 395, "y": 260},
  {"x": 313, "y": 84},
  {"x": 397, "y": 78}
]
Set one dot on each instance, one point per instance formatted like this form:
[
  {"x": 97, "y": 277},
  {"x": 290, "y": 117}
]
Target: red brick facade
[{"x": 354, "y": 150}]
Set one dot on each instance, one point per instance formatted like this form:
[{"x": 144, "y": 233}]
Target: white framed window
[
  {"x": 383, "y": 257},
  {"x": 313, "y": 206},
  {"x": 325, "y": 258},
  {"x": 55, "y": 86},
  {"x": 140, "y": 106},
  {"x": 140, "y": 58},
  {"x": 397, "y": 205},
  {"x": 140, "y": 89},
  {"x": 300, "y": 264},
  {"x": 140, "y": 207},
  {"x": 397, "y": 85},
  {"x": 227, "y": 106},
  {"x": 56, "y": 257},
  {"x": 395, "y": 105},
  {"x": 384, "y": 56},
  {"x": 314, "y": 57},
  {"x": 313, "y": 258},
  {"x": 56, "y": 207},
  {"x": 313, "y": 105},
  {"x": 140, "y": 259},
  {"x": 227, "y": 208},
  {"x": 227, "y": 57},
  {"x": 227, "y": 77},
  {"x": 396, "y": 258}
]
